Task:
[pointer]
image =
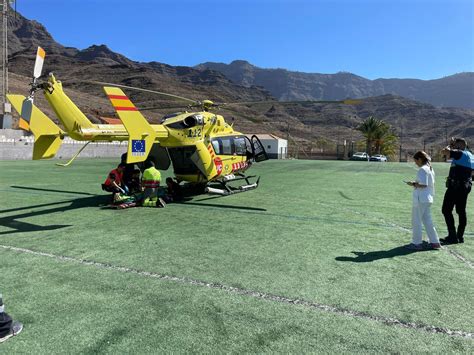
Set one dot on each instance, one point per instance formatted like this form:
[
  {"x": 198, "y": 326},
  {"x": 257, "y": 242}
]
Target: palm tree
[
  {"x": 369, "y": 129},
  {"x": 379, "y": 136}
]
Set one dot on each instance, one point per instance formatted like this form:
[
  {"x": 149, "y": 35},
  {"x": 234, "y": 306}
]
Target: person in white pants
[{"x": 423, "y": 194}]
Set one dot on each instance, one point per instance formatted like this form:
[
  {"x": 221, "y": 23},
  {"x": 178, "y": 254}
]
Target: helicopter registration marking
[{"x": 193, "y": 133}]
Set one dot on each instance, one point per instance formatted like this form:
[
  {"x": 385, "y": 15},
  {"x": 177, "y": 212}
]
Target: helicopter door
[
  {"x": 160, "y": 157},
  {"x": 258, "y": 151}
]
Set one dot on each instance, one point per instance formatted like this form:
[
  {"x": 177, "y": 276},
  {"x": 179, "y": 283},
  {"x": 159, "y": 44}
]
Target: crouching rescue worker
[
  {"x": 150, "y": 183},
  {"x": 114, "y": 183}
]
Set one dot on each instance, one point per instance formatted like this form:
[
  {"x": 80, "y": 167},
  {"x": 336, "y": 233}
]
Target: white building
[{"x": 276, "y": 148}]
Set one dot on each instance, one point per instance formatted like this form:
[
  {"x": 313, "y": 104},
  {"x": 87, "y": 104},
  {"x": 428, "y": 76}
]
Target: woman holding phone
[{"x": 423, "y": 194}]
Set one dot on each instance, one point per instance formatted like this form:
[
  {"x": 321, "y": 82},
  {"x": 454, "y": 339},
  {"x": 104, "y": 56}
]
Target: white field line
[
  {"x": 460, "y": 257},
  {"x": 252, "y": 293}
]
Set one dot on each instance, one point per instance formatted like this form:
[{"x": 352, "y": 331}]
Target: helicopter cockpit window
[
  {"x": 227, "y": 146},
  {"x": 240, "y": 146},
  {"x": 217, "y": 146},
  {"x": 230, "y": 145}
]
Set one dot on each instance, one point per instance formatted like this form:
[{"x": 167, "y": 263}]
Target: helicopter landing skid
[{"x": 230, "y": 190}]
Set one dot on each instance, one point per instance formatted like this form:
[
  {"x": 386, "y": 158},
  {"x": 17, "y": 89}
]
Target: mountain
[
  {"x": 451, "y": 91},
  {"x": 302, "y": 122}
]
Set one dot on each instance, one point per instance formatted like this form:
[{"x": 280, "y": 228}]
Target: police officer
[{"x": 458, "y": 183}]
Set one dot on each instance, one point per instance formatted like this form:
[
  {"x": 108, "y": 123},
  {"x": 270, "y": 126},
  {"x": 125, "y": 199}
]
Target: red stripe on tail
[
  {"x": 126, "y": 109},
  {"x": 118, "y": 97}
]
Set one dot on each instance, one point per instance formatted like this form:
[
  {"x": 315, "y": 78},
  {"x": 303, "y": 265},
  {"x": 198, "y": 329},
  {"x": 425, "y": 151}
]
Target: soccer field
[{"x": 311, "y": 261}]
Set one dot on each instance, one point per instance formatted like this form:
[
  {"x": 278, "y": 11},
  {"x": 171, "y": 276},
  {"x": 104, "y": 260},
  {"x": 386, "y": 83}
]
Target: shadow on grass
[
  {"x": 345, "y": 196},
  {"x": 51, "y": 190},
  {"x": 223, "y": 206},
  {"x": 367, "y": 257},
  {"x": 21, "y": 226}
]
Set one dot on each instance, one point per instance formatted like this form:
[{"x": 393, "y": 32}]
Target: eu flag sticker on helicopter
[{"x": 138, "y": 147}]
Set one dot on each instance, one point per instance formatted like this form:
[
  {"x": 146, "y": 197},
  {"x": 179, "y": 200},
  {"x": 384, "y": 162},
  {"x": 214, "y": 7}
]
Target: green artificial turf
[{"x": 330, "y": 233}]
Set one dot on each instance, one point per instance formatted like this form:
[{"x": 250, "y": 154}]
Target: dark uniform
[{"x": 458, "y": 185}]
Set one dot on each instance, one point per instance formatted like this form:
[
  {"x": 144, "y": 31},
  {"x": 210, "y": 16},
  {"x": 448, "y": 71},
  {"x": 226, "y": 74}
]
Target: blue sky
[{"x": 425, "y": 39}]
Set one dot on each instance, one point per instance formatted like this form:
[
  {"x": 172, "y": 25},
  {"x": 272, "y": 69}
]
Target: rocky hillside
[
  {"x": 452, "y": 91},
  {"x": 303, "y": 122}
]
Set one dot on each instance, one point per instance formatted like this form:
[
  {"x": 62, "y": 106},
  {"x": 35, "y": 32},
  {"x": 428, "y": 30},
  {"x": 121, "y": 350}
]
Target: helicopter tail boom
[
  {"x": 48, "y": 136},
  {"x": 72, "y": 118}
]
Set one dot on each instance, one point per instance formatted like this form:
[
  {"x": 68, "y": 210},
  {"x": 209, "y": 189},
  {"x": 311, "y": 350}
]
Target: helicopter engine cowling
[{"x": 194, "y": 120}]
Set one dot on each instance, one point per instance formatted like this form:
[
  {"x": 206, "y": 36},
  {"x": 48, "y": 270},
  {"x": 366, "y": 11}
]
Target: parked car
[
  {"x": 378, "y": 157},
  {"x": 360, "y": 156}
]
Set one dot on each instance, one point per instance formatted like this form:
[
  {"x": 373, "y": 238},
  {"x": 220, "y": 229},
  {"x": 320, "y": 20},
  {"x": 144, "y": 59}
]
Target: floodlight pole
[
  {"x": 6, "y": 118},
  {"x": 401, "y": 141},
  {"x": 4, "y": 51}
]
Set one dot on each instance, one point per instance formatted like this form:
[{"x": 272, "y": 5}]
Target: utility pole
[
  {"x": 288, "y": 137},
  {"x": 401, "y": 140},
  {"x": 6, "y": 117},
  {"x": 445, "y": 130}
]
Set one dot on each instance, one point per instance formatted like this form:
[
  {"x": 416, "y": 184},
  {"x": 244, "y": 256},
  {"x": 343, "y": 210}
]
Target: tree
[{"x": 379, "y": 136}]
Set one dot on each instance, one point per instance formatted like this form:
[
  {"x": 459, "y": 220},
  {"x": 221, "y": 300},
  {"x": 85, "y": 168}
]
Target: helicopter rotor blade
[
  {"x": 162, "y": 107},
  {"x": 139, "y": 89},
  {"x": 347, "y": 102},
  {"x": 344, "y": 102},
  {"x": 38, "y": 68},
  {"x": 227, "y": 105}
]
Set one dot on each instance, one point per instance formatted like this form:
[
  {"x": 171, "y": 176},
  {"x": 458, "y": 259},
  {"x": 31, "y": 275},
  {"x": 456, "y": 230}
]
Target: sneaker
[
  {"x": 16, "y": 329},
  {"x": 461, "y": 240},
  {"x": 414, "y": 246},
  {"x": 435, "y": 246},
  {"x": 160, "y": 203}
]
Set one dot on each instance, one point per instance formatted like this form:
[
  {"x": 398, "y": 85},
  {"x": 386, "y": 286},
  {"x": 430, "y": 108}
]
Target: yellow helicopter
[{"x": 202, "y": 147}]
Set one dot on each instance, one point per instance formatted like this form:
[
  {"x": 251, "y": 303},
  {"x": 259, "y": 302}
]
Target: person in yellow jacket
[{"x": 150, "y": 183}]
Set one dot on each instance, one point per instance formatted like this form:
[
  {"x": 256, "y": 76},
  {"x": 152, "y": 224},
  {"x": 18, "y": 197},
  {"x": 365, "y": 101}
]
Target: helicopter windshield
[{"x": 229, "y": 146}]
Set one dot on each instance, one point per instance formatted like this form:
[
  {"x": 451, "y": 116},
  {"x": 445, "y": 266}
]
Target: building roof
[
  {"x": 266, "y": 136},
  {"x": 108, "y": 120}
]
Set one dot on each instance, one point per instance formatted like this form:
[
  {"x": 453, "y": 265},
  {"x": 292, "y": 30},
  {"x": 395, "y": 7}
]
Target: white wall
[{"x": 275, "y": 148}]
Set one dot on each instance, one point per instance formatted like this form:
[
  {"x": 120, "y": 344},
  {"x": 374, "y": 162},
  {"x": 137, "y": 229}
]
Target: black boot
[{"x": 449, "y": 240}]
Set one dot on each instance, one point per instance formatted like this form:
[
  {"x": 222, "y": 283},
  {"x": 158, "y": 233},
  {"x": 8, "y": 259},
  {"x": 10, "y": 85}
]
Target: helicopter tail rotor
[
  {"x": 38, "y": 69},
  {"x": 48, "y": 136},
  {"x": 27, "y": 104}
]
